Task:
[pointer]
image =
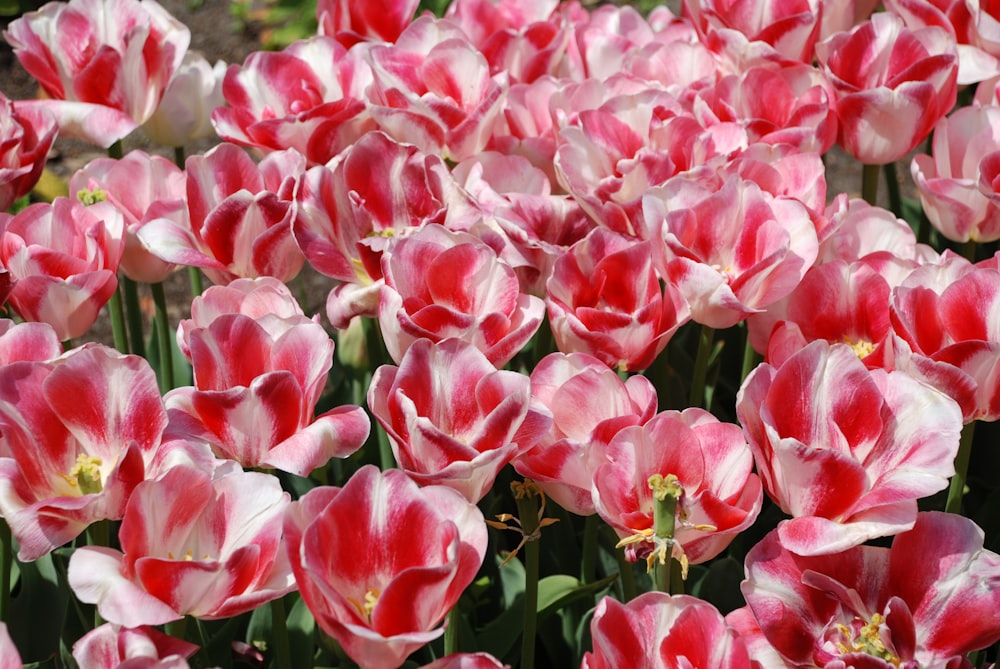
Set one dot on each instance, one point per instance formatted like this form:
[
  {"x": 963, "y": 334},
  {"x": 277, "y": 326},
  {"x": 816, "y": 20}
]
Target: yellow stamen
[
  {"x": 86, "y": 474},
  {"x": 91, "y": 196}
]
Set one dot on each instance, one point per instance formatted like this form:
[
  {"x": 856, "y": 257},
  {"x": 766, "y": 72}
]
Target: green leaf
[
  {"x": 38, "y": 612},
  {"x": 554, "y": 592},
  {"x": 301, "y": 634},
  {"x": 259, "y": 628}
]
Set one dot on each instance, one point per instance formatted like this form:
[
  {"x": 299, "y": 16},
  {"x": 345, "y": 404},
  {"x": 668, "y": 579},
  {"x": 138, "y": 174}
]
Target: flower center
[
  {"x": 866, "y": 639},
  {"x": 366, "y": 606},
  {"x": 91, "y": 196},
  {"x": 86, "y": 474},
  {"x": 861, "y": 348}
]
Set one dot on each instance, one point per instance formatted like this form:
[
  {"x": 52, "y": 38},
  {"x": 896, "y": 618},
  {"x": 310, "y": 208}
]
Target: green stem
[
  {"x": 869, "y": 183},
  {"x": 750, "y": 357},
  {"x": 451, "y": 640},
  {"x": 892, "y": 187},
  {"x": 957, "y": 488},
  {"x": 134, "y": 316},
  {"x": 179, "y": 156},
  {"x": 117, "y": 314},
  {"x": 527, "y": 510},
  {"x": 279, "y": 634},
  {"x": 176, "y": 628},
  {"x": 115, "y": 150},
  {"x": 7, "y": 555},
  {"x": 194, "y": 276},
  {"x": 591, "y": 528},
  {"x": 705, "y": 339},
  {"x": 163, "y": 338},
  {"x": 629, "y": 590}
]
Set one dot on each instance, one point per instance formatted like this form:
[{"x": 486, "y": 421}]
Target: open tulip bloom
[{"x": 523, "y": 333}]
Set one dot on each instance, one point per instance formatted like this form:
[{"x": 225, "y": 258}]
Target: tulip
[
  {"x": 81, "y": 432},
  {"x": 64, "y": 260},
  {"x": 257, "y": 380},
  {"x": 199, "y": 543},
  {"x": 9, "y": 657},
  {"x": 307, "y": 97},
  {"x": 452, "y": 418},
  {"x": 845, "y": 451},
  {"x": 433, "y": 88},
  {"x": 927, "y": 601},
  {"x": 659, "y": 631},
  {"x": 239, "y": 217},
  {"x": 604, "y": 298},
  {"x": 184, "y": 113},
  {"x": 589, "y": 404},
  {"x": 26, "y": 135},
  {"x": 421, "y": 548},
  {"x": 711, "y": 463},
  {"x": 143, "y": 188},
  {"x": 109, "y": 646},
  {"x": 951, "y": 183},
  {"x": 891, "y": 85},
  {"x": 352, "y": 22},
  {"x": 731, "y": 252},
  {"x": 103, "y": 63},
  {"x": 440, "y": 284}
]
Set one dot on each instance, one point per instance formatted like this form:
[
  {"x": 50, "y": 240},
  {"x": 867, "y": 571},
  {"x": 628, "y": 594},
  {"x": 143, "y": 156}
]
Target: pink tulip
[
  {"x": 604, "y": 298},
  {"x": 972, "y": 26},
  {"x": 891, "y": 85},
  {"x": 731, "y": 252},
  {"x": 787, "y": 104},
  {"x": 433, "y": 88},
  {"x": 441, "y": 284},
  {"x": 526, "y": 39},
  {"x": 611, "y": 155},
  {"x": 855, "y": 311},
  {"x": 659, "y": 631},
  {"x": 589, "y": 404},
  {"x": 452, "y": 418},
  {"x": 790, "y": 27},
  {"x": 240, "y": 216},
  {"x": 27, "y": 342},
  {"x": 352, "y": 22},
  {"x": 266, "y": 300},
  {"x": 345, "y": 217},
  {"x": 927, "y": 601},
  {"x": 64, "y": 259},
  {"x": 845, "y": 451},
  {"x": 26, "y": 135},
  {"x": 111, "y": 646},
  {"x": 184, "y": 114},
  {"x": 143, "y": 188},
  {"x": 103, "y": 63},
  {"x": 422, "y": 547},
  {"x": 947, "y": 316},
  {"x": 257, "y": 380},
  {"x": 204, "y": 544},
  {"x": 949, "y": 182},
  {"x": 81, "y": 432},
  {"x": 721, "y": 495},
  {"x": 307, "y": 97}
]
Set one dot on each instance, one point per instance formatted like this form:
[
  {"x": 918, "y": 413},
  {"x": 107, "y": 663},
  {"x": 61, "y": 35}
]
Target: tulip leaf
[
  {"x": 301, "y": 634},
  {"x": 721, "y": 585},
  {"x": 38, "y": 611},
  {"x": 554, "y": 592},
  {"x": 259, "y": 628}
]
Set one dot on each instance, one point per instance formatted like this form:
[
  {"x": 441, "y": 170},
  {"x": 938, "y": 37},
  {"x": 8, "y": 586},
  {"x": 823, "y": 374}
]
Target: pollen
[
  {"x": 366, "y": 606},
  {"x": 91, "y": 196},
  {"x": 86, "y": 474},
  {"x": 867, "y": 640},
  {"x": 861, "y": 348}
]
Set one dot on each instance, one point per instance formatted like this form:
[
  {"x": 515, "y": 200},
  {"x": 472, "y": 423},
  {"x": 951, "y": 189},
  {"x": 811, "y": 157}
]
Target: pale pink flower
[{"x": 26, "y": 135}]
